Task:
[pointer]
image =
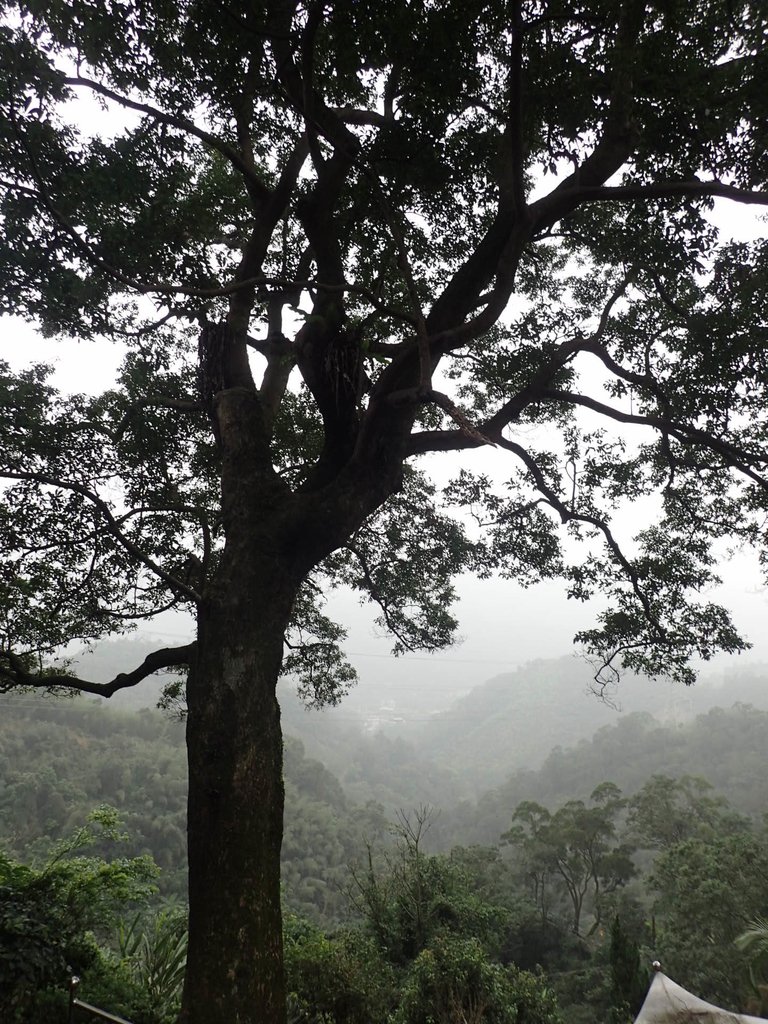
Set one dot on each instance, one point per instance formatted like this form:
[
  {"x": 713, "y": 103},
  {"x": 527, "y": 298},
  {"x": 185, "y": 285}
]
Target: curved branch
[
  {"x": 562, "y": 354},
  {"x": 13, "y": 672},
  {"x": 447, "y": 440},
  {"x": 113, "y": 528},
  {"x": 84, "y": 248},
  {"x": 376, "y": 596},
  {"x": 666, "y": 189},
  {"x": 459, "y": 417},
  {"x": 172, "y": 314},
  {"x": 123, "y": 616},
  {"x": 491, "y": 429},
  {"x": 357, "y": 116},
  {"x": 421, "y": 442},
  {"x": 567, "y": 515},
  {"x": 683, "y": 432},
  {"x": 575, "y": 191},
  {"x": 238, "y": 161},
  {"x": 663, "y": 292}
]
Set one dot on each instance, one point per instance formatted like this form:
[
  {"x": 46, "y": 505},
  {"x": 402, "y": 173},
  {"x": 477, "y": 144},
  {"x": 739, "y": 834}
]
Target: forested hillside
[
  {"x": 509, "y": 723},
  {"x": 728, "y": 747},
  {"x": 609, "y": 855},
  {"x": 513, "y": 721},
  {"x": 388, "y": 767},
  {"x": 59, "y": 759},
  {"x": 635, "y": 837}
]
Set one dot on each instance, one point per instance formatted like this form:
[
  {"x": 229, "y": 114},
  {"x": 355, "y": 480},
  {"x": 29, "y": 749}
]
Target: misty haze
[{"x": 383, "y": 512}]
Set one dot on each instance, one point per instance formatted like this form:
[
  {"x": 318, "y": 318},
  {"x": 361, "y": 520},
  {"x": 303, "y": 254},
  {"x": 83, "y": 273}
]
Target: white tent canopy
[{"x": 669, "y": 1003}]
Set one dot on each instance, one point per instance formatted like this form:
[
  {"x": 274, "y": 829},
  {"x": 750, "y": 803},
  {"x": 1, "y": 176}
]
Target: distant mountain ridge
[
  {"x": 508, "y": 724},
  {"x": 514, "y": 720},
  {"x": 727, "y": 747}
]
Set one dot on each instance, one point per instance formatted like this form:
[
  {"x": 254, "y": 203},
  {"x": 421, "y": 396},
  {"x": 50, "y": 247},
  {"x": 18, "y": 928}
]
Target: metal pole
[
  {"x": 94, "y": 1011},
  {"x": 74, "y": 981}
]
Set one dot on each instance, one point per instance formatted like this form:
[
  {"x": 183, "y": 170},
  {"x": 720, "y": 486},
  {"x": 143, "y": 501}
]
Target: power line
[
  {"x": 430, "y": 657},
  {"x": 403, "y": 658}
]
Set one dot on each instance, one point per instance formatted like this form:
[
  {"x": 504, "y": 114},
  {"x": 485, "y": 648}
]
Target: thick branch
[
  {"x": 457, "y": 415},
  {"x": 281, "y": 359},
  {"x": 619, "y": 135},
  {"x": 693, "y": 187},
  {"x": 496, "y": 256},
  {"x": 269, "y": 212},
  {"x": 371, "y": 118},
  {"x": 425, "y": 441},
  {"x": 12, "y": 672},
  {"x": 491, "y": 428},
  {"x": 581, "y": 188},
  {"x": 665, "y": 189}
]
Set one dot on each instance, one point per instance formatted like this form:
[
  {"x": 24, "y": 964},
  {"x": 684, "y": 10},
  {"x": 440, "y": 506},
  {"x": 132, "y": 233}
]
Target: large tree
[
  {"x": 575, "y": 850},
  {"x": 333, "y": 238}
]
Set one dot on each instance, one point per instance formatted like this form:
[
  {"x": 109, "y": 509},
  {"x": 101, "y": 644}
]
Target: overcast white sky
[{"x": 502, "y": 625}]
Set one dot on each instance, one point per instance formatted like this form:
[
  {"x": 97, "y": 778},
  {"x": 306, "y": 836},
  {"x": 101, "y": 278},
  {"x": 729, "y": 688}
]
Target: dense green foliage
[
  {"x": 577, "y": 848},
  {"x": 708, "y": 891},
  {"x": 331, "y": 239},
  {"x": 154, "y": 953},
  {"x": 55, "y": 919},
  {"x": 585, "y": 890},
  {"x": 60, "y": 758}
]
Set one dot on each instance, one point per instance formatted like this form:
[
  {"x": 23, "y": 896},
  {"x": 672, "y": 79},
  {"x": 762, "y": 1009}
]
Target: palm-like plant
[
  {"x": 754, "y": 942},
  {"x": 155, "y": 952}
]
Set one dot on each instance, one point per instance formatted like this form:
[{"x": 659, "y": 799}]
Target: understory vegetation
[{"x": 543, "y": 901}]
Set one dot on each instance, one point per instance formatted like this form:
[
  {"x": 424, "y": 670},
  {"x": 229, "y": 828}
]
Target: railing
[{"x": 94, "y": 1011}]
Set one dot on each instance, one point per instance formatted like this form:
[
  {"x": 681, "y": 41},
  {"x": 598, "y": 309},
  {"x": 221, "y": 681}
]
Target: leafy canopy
[{"x": 432, "y": 227}]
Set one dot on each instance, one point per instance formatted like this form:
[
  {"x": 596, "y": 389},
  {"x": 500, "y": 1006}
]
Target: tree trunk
[
  {"x": 234, "y": 742},
  {"x": 235, "y": 809}
]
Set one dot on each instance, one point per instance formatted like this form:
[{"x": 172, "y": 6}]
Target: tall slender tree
[{"x": 333, "y": 238}]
